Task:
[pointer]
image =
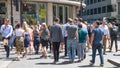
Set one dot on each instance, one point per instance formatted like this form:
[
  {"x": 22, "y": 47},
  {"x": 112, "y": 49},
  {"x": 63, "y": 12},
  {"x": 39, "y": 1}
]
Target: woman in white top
[{"x": 19, "y": 33}]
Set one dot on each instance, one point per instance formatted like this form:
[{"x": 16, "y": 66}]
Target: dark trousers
[
  {"x": 65, "y": 41},
  {"x": 114, "y": 39},
  {"x": 7, "y": 49},
  {"x": 36, "y": 48},
  {"x": 94, "y": 49},
  {"x": 56, "y": 46}
]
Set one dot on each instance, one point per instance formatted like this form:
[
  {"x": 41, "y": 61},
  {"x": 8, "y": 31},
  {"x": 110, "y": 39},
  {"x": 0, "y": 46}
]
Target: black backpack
[{"x": 113, "y": 31}]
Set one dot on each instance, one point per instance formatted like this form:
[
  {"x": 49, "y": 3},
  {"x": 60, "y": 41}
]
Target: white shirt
[
  {"x": 105, "y": 30},
  {"x": 19, "y": 32},
  {"x": 84, "y": 27}
]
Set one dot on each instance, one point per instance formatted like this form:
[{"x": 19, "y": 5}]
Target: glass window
[
  {"x": 99, "y": 10},
  {"x": 87, "y": 2},
  {"x": 95, "y": 1},
  {"x": 99, "y": 0},
  {"x": 118, "y": 8},
  {"x": 91, "y": 1},
  {"x": 63, "y": 12},
  {"x": 95, "y": 11},
  {"x": 66, "y": 13},
  {"x": 60, "y": 8},
  {"x": 54, "y": 12},
  {"x": 104, "y": 9},
  {"x": 70, "y": 12},
  {"x": 30, "y": 8},
  {"x": 2, "y": 8},
  {"x": 109, "y": 8},
  {"x": 42, "y": 12},
  {"x": 91, "y": 11},
  {"x": 88, "y": 12}
]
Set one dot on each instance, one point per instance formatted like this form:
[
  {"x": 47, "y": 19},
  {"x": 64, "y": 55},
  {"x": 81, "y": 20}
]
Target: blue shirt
[
  {"x": 71, "y": 31},
  {"x": 98, "y": 33},
  {"x": 82, "y": 35},
  {"x": 6, "y": 30},
  {"x": 64, "y": 30},
  {"x": 56, "y": 33}
]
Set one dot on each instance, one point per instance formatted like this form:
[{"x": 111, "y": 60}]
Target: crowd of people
[{"x": 72, "y": 37}]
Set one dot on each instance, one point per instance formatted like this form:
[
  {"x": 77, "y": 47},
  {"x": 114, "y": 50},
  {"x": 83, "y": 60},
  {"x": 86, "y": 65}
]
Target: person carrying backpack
[{"x": 113, "y": 35}]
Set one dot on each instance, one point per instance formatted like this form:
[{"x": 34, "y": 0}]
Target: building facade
[
  {"x": 39, "y": 11},
  {"x": 98, "y": 9}
]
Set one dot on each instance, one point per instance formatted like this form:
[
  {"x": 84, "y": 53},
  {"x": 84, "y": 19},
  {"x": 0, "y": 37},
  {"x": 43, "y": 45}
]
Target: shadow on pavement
[
  {"x": 33, "y": 58},
  {"x": 116, "y": 54},
  {"x": 64, "y": 63},
  {"x": 88, "y": 66},
  {"x": 44, "y": 63}
]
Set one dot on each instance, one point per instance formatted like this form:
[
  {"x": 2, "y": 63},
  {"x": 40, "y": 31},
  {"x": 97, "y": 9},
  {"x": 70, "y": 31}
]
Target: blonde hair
[
  {"x": 25, "y": 26},
  {"x": 36, "y": 28},
  {"x": 44, "y": 25}
]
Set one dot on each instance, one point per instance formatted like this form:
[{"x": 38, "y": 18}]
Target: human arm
[{"x": 10, "y": 32}]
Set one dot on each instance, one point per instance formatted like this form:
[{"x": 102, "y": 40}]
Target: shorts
[{"x": 44, "y": 42}]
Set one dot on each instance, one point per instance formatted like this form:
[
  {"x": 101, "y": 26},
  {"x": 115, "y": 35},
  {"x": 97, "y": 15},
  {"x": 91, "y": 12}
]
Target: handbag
[{"x": 5, "y": 42}]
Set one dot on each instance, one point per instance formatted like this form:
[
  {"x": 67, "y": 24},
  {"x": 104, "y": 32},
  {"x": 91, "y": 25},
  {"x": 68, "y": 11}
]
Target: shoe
[
  {"x": 54, "y": 62},
  {"x": 79, "y": 60},
  {"x": 45, "y": 57},
  {"x": 101, "y": 65},
  {"x": 104, "y": 54},
  {"x": 91, "y": 63}
]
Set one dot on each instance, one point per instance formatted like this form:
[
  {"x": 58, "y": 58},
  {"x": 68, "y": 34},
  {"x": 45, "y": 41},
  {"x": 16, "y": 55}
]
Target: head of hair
[
  {"x": 70, "y": 20},
  {"x": 17, "y": 26},
  {"x": 44, "y": 25},
  {"x": 80, "y": 20},
  {"x": 79, "y": 25},
  {"x": 97, "y": 22},
  {"x": 6, "y": 21},
  {"x": 36, "y": 28},
  {"x": 25, "y": 26},
  {"x": 75, "y": 19},
  {"x": 57, "y": 19}
]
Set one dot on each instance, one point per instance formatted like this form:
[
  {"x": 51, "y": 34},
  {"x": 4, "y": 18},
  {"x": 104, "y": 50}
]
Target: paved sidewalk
[
  {"x": 4, "y": 63},
  {"x": 115, "y": 59}
]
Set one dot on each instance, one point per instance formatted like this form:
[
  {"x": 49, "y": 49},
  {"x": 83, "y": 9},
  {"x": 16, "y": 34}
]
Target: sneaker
[{"x": 101, "y": 65}]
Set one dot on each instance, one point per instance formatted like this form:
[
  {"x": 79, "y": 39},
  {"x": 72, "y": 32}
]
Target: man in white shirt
[{"x": 105, "y": 29}]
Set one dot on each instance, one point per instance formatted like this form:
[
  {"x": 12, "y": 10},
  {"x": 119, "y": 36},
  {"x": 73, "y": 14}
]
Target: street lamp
[
  {"x": 21, "y": 7},
  {"x": 11, "y": 13}
]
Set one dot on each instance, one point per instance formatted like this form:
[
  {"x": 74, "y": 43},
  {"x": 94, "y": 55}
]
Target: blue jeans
[
  {"x": 81, "y": 50},
  {"x": 71, "y": 48},
  {"x": 7, "y": 48},
  {"x": 94, "y": 48}
]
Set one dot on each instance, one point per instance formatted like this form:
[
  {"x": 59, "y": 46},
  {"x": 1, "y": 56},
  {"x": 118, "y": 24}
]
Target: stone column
[
  {"x": 74, "y": 11},
  {"x": 8, "y": 9},
  {"x": 49, "y": 13}
]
